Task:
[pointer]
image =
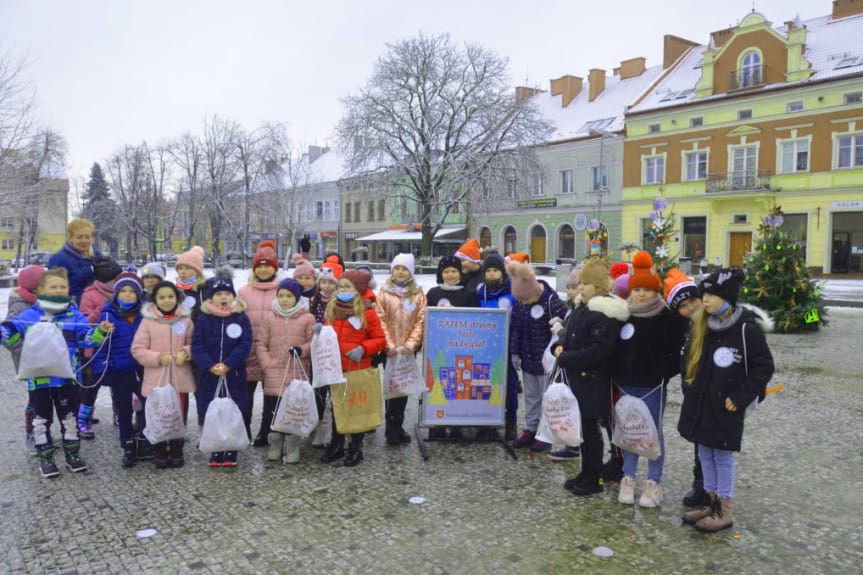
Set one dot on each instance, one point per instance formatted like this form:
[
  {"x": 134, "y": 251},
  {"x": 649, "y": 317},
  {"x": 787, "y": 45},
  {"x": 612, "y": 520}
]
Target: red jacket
[{"x": 372, "y": 338}]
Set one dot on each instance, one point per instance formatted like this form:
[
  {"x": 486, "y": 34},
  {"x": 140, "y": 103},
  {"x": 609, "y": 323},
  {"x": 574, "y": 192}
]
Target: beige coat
[{"x": 158, "y": 336}]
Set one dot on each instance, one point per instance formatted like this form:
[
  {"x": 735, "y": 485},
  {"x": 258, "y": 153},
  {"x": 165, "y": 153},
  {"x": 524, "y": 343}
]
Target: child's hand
[
  {"x": 356, "y": 354},
  {"x": 729, "y": 405},
  {"x": 558, "y": 350},
  {"x": 106, "y": 326},
  {"x": 164, "y": 360},
  {"x": 220, "y": 369},
  {"x": 181, "y": 357}
]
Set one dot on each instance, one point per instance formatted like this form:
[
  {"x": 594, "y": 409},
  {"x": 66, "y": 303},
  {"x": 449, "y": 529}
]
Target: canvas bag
[
  {"x": 44, "y": 353},
  {"x": 402, "y": 376},
  {"x": 358, "y": 405},
  {"x": 162, "y": 412},
  {"x": 224, "y": 429},
  {"x": 296, "y": 411},
  {"x": 326, "y": 357},
  {"x": 561, "y": 419},
  {"x": 634, "y": 429}
]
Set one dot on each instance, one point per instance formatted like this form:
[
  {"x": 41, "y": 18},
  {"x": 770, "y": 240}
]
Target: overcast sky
[{"x": 115, "y": 72}]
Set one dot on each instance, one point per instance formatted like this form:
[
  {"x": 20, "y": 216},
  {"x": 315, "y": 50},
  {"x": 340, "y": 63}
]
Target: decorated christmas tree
[
  {"x": 778, "y": 281},
  {"x": 659, "y": 239}
]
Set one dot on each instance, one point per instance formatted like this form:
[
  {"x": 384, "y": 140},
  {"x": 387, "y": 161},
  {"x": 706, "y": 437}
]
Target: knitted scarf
[
  {"x": 343, "y": 310},
  {"x": 650, "y": 309},
  {"x": 287, "y": 313}
]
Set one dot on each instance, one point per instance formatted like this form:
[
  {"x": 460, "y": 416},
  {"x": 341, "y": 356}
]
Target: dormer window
[{"x": 750, "y": 71}]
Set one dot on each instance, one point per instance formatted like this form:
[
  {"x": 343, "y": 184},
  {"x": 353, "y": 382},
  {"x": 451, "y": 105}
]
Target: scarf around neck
[
  {"x": 650, "y": 309},
  {"x": 54, "y": 304},
  {"x": 217, "y": 311},
  {"x": 447, "y": 287},
  {"x": 717, "y": 324},
  {"x": 342, "y": 310},
  {"x": 287, "y": 313}
]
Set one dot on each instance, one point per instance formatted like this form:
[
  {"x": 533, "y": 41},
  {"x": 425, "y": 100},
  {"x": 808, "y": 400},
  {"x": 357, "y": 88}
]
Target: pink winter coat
[
  {"x": 158, "y": 336},
  {"x": 95, "y": 296},
  {"x": 276, "y": 336},
  {"x": 402, "y": 322},
  {"x": 258, "y": 296}
]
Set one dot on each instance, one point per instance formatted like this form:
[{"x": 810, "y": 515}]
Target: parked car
[{"x": 39, "y": 259}]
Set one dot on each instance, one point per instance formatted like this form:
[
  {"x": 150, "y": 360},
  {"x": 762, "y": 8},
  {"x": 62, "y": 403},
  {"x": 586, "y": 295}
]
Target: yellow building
[{"x": 761, "y": 114}]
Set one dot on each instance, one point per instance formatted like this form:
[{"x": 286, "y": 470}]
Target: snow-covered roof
[
  {"x": 834, "y": 48},
  {"x": 605, "y": 113},
  {"x": 407, "y": 236},
  {"x": 329, "y": 167}
]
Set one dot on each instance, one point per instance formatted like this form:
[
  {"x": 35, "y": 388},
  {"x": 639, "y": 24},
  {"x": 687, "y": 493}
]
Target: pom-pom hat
[
  {"x": 524, "y": 285},
  {"x": 678, "y": 287},
  {"x": 644, "y": 273},
  {"x": 266, "y": 255},
  {"x": 128, "y": 279},
  {"x": 595, "y": 273},
  {"x": 304, "y": 267},
  {"x": 331, "y": 268},
  {"x": 292, "y": 286},
  {"x": 724, "y": 283},
  {"x": 405, "y": 260},
  {"x": 30, "y": 276},
  {"x": 620, "y": 286},
  {"x": 619, "y": 269},
  {"x": 194, "y": 258},
  {"x": 447, "y": 262},
  {"x": 469, "y": 251},
  {"x": 220, "y": 282}
]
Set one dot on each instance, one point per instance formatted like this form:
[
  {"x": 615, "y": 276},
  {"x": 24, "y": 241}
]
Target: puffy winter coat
[
  {"x": 529, "y": 333},
  {"x": 588, "y": 347},
  {"x": 95, "y": 296},
  {"x": 259, "y": 298},
  {"x": 646, "y": 348},
  {"x": 275, "y": 337},
  {"x": 225, "y": 340},
  {"x": 472, "y": 281},
  {"x": 402, "y": 319},
  {"x": 735, "y": 363},
  {"x": 372, "y": 338},
  {"x": 116, "y": 355},
  {"x": 80, "y": 268},
  {"x": 158, "y": 336},
  {"x": 440, "y": 296},
  {"x": 16, "y": 305},
  {"x": 500, "y": 298}
]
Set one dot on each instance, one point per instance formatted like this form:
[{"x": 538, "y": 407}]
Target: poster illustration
[{"x": 465, "y": 364}]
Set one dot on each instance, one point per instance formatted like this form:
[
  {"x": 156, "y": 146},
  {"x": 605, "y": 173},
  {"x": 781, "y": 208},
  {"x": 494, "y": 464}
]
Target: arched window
[
  {"x": 750, "y": 69},
  {"x": 566, "y": 242},
  {"x": 537, "y": 244},
  {"x": 510, "y": 240},
  {"x": 484, "y": 237}
]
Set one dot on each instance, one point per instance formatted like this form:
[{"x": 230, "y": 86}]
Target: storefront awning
[{"x": 405, "y": 236}]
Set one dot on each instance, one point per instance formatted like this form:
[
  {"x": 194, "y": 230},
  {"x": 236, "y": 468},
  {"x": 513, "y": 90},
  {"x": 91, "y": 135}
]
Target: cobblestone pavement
[{"x": 797, "y": 504}]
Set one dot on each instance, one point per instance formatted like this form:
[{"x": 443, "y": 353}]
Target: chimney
[
  {"x": 673, "y": 48},
  {"x": 720, "y": 37},
  {"x": 568, "y": 87},
  {"x": 845, "y": 8},
  {"x": 523, "y": 93},
  {"x": 632, "y": 67},
  {"x": 596, "y": 77},
  {"x": 316, "y": 152}
]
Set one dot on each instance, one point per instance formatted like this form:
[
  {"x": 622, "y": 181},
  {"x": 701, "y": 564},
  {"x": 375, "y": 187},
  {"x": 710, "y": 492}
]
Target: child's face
[
  {"x": 450, "y": 276},
  {"x": 223, "y": 298},
  {"x": 165, "y": 299},
  {"x": 54, "y": 286},
  {"x": 587, "y": 291},
  {"x": 571, "y": 291},
  {"x": 287, "y": 300},
  {"x": 306, "y": 281},
  {"x": 689, "y": 307},
  {"x": 493, "y": 274},
  {"x": 127, "y": 294},
  {"x": 345, "y": 286},
  {"x": 641, "y": 295},
  {"x": 327, "y": 287},
  {"x": 264, "y": 272},
  {"x": 712, "y": 302},
  {"x": 150, "y": 282},
  {"x": 469, "y": 267},
  {"x": 185, "y": 273},
  {"x": 401, "y": 273}
]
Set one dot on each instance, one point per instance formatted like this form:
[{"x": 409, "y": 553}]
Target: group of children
[{"x": 196, "y": 332}]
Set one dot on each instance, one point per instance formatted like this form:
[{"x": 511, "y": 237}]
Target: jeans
[
  {"x": 655, "y": 400},
  {"x": 718, "y": 468}
]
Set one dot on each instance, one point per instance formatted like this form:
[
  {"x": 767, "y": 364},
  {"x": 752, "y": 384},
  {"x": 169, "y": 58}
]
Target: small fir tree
[
  {"x": 100, "y": 208},
  {"x": 659, "y": 237},
  {"x": 778, "y": 281}
]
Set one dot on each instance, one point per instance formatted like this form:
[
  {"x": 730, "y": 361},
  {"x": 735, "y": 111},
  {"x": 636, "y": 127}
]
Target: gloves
[
  {"x": 516, "y": 362},
  {"x": 296, "y": 351},
  {"x": 356, "y": 354},
  {"x": 318, "y": 327}
]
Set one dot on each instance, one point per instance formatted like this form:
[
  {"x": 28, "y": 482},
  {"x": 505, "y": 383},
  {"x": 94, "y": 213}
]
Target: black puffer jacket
[
  {"x": 646, "y": 349},
  {"x": 725, "y": 371},
  {"x": 588, "y": 346}
]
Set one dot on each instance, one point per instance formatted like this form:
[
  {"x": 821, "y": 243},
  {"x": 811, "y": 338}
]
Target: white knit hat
[{"x": 406, "y": 260}]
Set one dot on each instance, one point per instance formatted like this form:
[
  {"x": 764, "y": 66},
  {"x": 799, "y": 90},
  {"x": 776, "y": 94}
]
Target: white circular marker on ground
[
  {"x": 603, "y": 552},
  {"x": 144, "y": 533},
  {"x": 417, "y": 500}
]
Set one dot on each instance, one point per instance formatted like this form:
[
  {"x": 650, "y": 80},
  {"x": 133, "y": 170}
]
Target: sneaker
[
  {"x": 230, "y": 459},
  {"x": 75, "y": 463},
  {"x": 540, "y": 446},
  {"x": 30, "y": 445},
  {"x": 627, "y": 491},
  {"x": 566, "y": 454},
  {"x": 525, "y": 439},
  {"x": 85, "y": 431},
  {"x": 652, "y": 495},
  {"x": 216, "y": 459}
]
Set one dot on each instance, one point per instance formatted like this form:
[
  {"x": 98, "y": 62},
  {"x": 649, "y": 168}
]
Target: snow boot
[
  {"x": 161, "y": 459},
  {"x": 697, "y": 496},
  {"x": 263, "y": 437},
  {"x": 72, "y": 449},
  {"x": 355, "y": 451},
  {"x": 695, "y": 515},
  {"x": 276, "y": 441},
  {"x": 47, "y": 465},
  {"x": 128, "y": 453},
  {"x": 336, "y": 450},
  {"x": 175, "y": 452},
  {"x": 143, "y": 449},
  {"x": 292, "y": 449},
  {"x": 720, "y": 518}
]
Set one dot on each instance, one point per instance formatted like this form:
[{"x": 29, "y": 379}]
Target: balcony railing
[
  {"x": 748, "y": 181},
  {"x": 747, "y": 77}
]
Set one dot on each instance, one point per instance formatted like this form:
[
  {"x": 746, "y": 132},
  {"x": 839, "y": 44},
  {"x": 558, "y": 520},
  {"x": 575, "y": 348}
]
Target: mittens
[
  {"x": 356, "y": 354},
  {"x": 296, "y": 351}
]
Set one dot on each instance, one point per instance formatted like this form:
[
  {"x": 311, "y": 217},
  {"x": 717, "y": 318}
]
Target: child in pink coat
[{"x": 283, "y": 344}]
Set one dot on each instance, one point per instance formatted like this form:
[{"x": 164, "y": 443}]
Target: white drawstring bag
[
  {"x": 561, "y": 419},
  {"x": 548, "y": 359},
  {"x": 326, "y": 358},
  {"x": 224, "y": 429},
  {"x": 162, "y": 412},
  {"x": 402, "y": 376},
  {"x": 297, "y": 411},
  {"x": 634, "y": 429},
  {"x": 44, "y": 353}
]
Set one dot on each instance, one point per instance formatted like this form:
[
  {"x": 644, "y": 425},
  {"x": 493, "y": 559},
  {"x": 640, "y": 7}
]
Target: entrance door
[
  {"x": 741, "y": 244},
  {"x": 841, "y": 252},
  {"x": 537, "y": 245}
]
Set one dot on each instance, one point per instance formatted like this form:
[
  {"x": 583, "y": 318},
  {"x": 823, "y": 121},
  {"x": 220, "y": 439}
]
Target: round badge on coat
[
  {"x": 504, "y": 303},
  {"x": 444, "y": 303},
  {"x": 234, "y": 331},
  {"x": 179, "y": 328},
  {"x": 536, "y": 311},
  {"x": 355, "y": 322},
  {"x": 189, "y": 302},
  {"x": 627, "y": 331},
  {"x": 409, "y": 305},
  {"x": 723, "y": 356}
]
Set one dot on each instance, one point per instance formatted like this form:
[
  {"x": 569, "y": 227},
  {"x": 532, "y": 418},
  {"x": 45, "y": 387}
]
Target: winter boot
[
  {"x": 572, "y": 481},
  {"x": 589, "y": 484},
  {"x": 85, "y": 412},
  {"x": 336, "y": 450},
  {"x": 230, "y": 459},
  {"x": 355, "y": 451},
  {"x": 143, "y": 449},
  {"x": 276, "y": 441},
  {"x": 262, "y": 439},
  {"x": 161, "y": 459},
  {"x": 697, "y": 496},
  {"x": 72, "y": 449},
  {"x": 175, "y": 452},
  {"x": 47, "y": 465},
  {"x": 695, "y": 515},
  {"x": 128, "y": 453},
  {"x": 721, "y": 517},
  {"x": 612, "y": 471},
  {"x": 292, "y": 449}
]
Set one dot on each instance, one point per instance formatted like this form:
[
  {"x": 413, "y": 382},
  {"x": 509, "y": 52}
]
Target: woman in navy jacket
[{"x": 76, "y": 256}]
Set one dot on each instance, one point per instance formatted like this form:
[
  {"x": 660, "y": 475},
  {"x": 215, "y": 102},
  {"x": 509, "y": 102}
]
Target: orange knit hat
[
  {"x": 469, "y": 251},
  {"x": 644, "y": 273}
]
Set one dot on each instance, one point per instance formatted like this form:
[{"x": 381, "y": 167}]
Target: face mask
[
  {"x": 126, "y": 305},
  {"x": 725, "y": 307},
  {"x": 345, "y": 297},
  {"x": 494, "y": 284},
  {"x": 59, "y": 299}
]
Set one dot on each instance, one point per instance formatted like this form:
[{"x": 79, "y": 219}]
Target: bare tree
[
  {"x": 220, "y": 170},
  {"x": 188, "y": 154},
  {"x": 17, "y": 100},
  {"x": 436, "y": 118}
]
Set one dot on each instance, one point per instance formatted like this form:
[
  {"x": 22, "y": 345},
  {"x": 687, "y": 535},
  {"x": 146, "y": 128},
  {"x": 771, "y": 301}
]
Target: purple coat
[{"x": 528, "y": 335}]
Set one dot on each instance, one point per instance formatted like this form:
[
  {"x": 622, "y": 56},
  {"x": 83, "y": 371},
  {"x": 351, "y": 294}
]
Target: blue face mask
[
  {"x": 127, "y": 305},
  {"x": 725, "y": 307},
  {"x": 346, "y": 297}
]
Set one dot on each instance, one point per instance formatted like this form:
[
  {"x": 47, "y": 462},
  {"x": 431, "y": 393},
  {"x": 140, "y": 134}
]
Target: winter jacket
[
  {"x": 193, "y": 298},
  {"x": 116, "y": 355},
  {"x": 735, "y": 363},
  {"x": 402, "y": 319},
  {"x": 472, "y": 281},
  {"x": 528, "y": 331},
  {"x": 80, "y": 268},
  {"x": 501, "y": 298},
  {"x": 75, "y": 330},
  {"x": 275, "y": 337},
  {"x": 440, "y": 296},
  {"x": 96, "y": 295},
  {"x": 318, "y": 307},
  {"x": 16, "y": 305},
  {"x": 225, "y": 340},
  {"x": 259, "y": 298},
  {"x": 646, "y": 348},
  {"x": 372, "y": 339},
  {"x": 158, "y": 336},
  {"x": 588, "y": 347}
]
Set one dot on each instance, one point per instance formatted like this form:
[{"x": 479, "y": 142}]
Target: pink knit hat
[
  {"x": 304, "y": 267},
  {"x": 194, "y": 258},
  {"x": 524, "y": 283}
]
